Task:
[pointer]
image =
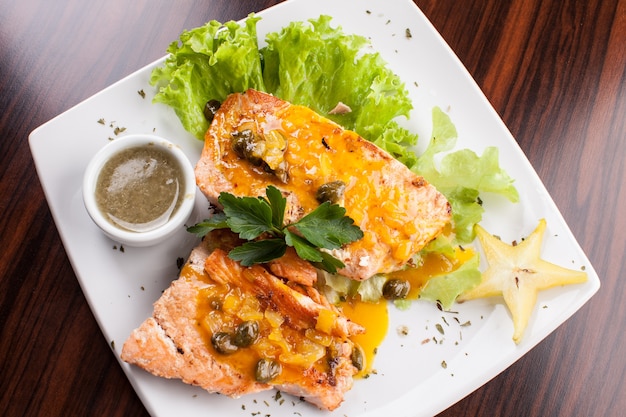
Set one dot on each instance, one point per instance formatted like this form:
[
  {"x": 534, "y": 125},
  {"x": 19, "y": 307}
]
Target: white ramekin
[{"x": 126, "y": 237}]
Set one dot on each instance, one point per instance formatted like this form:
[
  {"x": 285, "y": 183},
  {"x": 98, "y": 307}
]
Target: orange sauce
[
  {"x": 375, "y": 318},
  {"x": 433, "y": 265},
  {"x": 221, "y": 307},
  {"x": 236, "y": 306}
]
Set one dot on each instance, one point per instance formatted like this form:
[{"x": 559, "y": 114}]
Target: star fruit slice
[{"x": 517, "y": 273}]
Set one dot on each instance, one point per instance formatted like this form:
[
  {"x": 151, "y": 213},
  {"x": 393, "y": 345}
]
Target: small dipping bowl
[{"x": 129, "y": 178}]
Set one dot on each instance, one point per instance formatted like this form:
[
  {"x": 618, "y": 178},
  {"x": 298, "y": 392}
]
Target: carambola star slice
[{"x": 517, "y": 273}]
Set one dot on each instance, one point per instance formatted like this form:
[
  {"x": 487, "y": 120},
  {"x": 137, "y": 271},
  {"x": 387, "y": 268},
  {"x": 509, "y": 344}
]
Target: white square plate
[{"x": 121, "y": 286}]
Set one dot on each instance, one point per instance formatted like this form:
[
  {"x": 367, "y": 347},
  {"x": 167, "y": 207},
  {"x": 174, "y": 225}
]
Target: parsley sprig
[{"x": 326, "y": 227}]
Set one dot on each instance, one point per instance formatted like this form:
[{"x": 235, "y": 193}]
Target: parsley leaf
[
  {"x": 330, "y": 263},
  {"x": 216, "y": 221},
  {"x": 305, "y": 249},
  {"x": 278, "y": 203},
  {"x": 248, "y": 216},
  {"x": 326, "y": 227},
  {"x": 258, "y": 251}
]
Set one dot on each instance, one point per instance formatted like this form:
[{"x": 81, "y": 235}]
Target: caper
[
  {"x": 357, "y": 357},
  {"x": 249, "y": 146},
  {"x": 395, "y": 289},
  {"x": 239, "y": 142},
  {"x": 223, "y": 343},
  {"x": 210, "y": 109},
  {"x": 331, "y": 192},
  {"x": 246, "y": 333},
  {"x": 266, "y": 370}
]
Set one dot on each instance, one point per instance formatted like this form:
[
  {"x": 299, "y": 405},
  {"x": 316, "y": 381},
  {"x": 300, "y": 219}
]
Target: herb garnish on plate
[{"x": 260, "y": 221}]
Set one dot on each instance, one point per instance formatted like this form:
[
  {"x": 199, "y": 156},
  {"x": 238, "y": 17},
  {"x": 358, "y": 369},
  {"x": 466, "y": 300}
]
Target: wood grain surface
[{"x": 554, "y": 70}]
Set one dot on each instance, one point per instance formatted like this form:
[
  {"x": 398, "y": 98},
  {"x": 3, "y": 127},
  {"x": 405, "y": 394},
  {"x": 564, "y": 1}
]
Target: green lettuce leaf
[
  {"x": 336, "y": 287},
  {"x": 306, "y": 63},
  {"x": 208, "y": 62},
  {"x": 445, "y": 289},
  {"x": 318, "y": 66},
  {"x": 371, "y": 290},
  {"x": 462, "y": 175}
]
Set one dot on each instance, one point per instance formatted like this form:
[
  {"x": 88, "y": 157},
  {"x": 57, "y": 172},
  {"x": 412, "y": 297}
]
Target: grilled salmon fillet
[
  {"x": 256, "y": 139},
  {"x": 296, "y": 331}
]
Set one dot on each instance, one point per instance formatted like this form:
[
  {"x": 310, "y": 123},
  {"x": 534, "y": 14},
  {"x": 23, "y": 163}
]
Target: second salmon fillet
[
  {"x": 257, "y": 139},
  {"x": 239, "y": 330}
]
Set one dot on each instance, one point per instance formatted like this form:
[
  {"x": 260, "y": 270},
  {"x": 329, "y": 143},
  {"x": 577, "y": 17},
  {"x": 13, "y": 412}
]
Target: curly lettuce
[
  {"x": 462, "y": 175},
  {"x": 208, "y": 62},
  {"x": 444, "y": 289},
  {"x": 316, "y": 65},
  {"x": 307, "y": 63}
]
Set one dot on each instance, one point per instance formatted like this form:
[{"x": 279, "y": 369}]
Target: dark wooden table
[{"x": 554, "y": 70}]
